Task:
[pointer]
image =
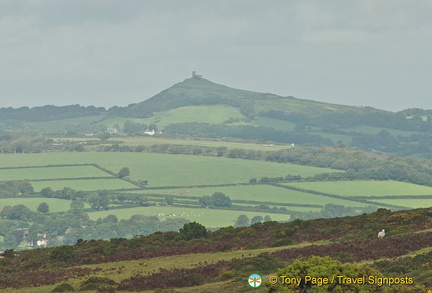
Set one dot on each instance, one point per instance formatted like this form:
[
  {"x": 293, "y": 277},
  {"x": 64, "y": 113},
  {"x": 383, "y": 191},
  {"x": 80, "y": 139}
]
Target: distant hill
[
  {"x": 199, "y": 91},
  {"x": 197, "y": 107},
  {"x": 200, "y": 108}
]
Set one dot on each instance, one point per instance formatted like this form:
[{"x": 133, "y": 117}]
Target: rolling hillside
[
  {"x": 91, "y": 179},
  {"x": 203, "y": 261},
  {"x": 199, "y": 91},
  {"x": 197, "y": 107}
]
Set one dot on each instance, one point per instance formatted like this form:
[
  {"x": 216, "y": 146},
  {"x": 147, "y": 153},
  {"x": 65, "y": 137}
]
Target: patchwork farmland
[
  {"x": 166, "y": 169},
  {"x": 186, "y": 179}
]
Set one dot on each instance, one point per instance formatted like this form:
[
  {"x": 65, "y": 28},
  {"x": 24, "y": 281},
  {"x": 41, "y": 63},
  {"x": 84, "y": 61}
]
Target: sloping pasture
[
  {"x": 83, "y": 184},
  {"x": 168, "y": 169},
  {"x": 259, "y": 193},
  {"x": 407, "y": 202},
  {"x": 365, "y": 188},
  {"x": 51, "y": 172}
]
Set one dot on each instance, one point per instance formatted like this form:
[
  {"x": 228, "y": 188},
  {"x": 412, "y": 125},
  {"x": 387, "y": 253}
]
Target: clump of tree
[
  {"x": 134, "y": 127},
  {"x": 242, "y": 221},
  {"x": 104, "y": 136},
  {"x": 256, "y": 219},
  {"x": 217, "y": 199},
  {"x": 63, "y": 253},
  {"x": 169, "y": 200},
  {"x": 43, "y": 208},
  {"x": 124, "y": 172},
  {"x": 17, "y": 212},
  {"x": 23, "y": 143},
  {"x": 65, "y": 193},
  {"x": 99, "y": 200},
  {"x": 191, "y": 231},
  {"x": 15, "y": 188}
]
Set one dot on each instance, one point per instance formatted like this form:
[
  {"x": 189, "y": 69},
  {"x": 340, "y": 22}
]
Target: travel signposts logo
[{"x": 254, "y": 280}]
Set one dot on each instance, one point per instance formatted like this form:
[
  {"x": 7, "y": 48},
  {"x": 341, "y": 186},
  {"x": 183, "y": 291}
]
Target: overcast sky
[{"x": 117, "y": 52}]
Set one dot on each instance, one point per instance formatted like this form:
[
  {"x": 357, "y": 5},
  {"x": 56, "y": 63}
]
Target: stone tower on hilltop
[{"x": 196, "y": 76}]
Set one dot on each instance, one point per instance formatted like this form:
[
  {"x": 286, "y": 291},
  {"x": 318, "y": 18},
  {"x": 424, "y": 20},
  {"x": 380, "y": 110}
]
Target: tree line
[
  {"x": 18, "y": 223},
  {"x": 196, "y": 129},
  {"x": 365, "y": 116},
  {"x": 358, "y": 164},
  {"x": 49, "y": 112}
]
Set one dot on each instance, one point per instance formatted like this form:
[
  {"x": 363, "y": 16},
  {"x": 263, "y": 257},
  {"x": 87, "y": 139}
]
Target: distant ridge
[
  {"x": 49, "y": 112},
  {"x": 200, "y": 91}
]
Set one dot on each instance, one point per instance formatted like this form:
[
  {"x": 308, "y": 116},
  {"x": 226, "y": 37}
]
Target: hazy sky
[{"x": 117, "y": 52}]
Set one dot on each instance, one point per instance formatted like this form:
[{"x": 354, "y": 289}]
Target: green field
[
  {"x": 213, "y": 114},
  {"x": 210, "y": 218},
  {"x": 375, "y": 130},
  {"x": 365, "y": 188},
  {"x": 261, "y": 193},
  {"x": 55, "y": 204},
  {"x": 296, "y": 209},
  {"x": 153, "y": 140},
  {"x": 51, "y": 173},
  {"x": 83, "y": 184},
  {"x": 409, "y": 203},
  {"x": 184, "y": 170},
  {"x": 167, "y": 169},
  {"x": 274, "y": 123}
]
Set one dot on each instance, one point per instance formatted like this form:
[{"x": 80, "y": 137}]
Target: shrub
[
  {"x": 282, "y": 242},
  {"x": 9, "y": 253},
  {"x": 227, "y": 275},
  {"x": 254, "y": 245},
  {"x": 97, "y": 283},
  {"x": 191, "y": 231},
  {"x": 63, "y": 253},
  {"x": 123, "y": 172},
  {"x": 88, "y": 261},
  {"x": 264, "y": 263},
  {"x": 65, "y": 287}
]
